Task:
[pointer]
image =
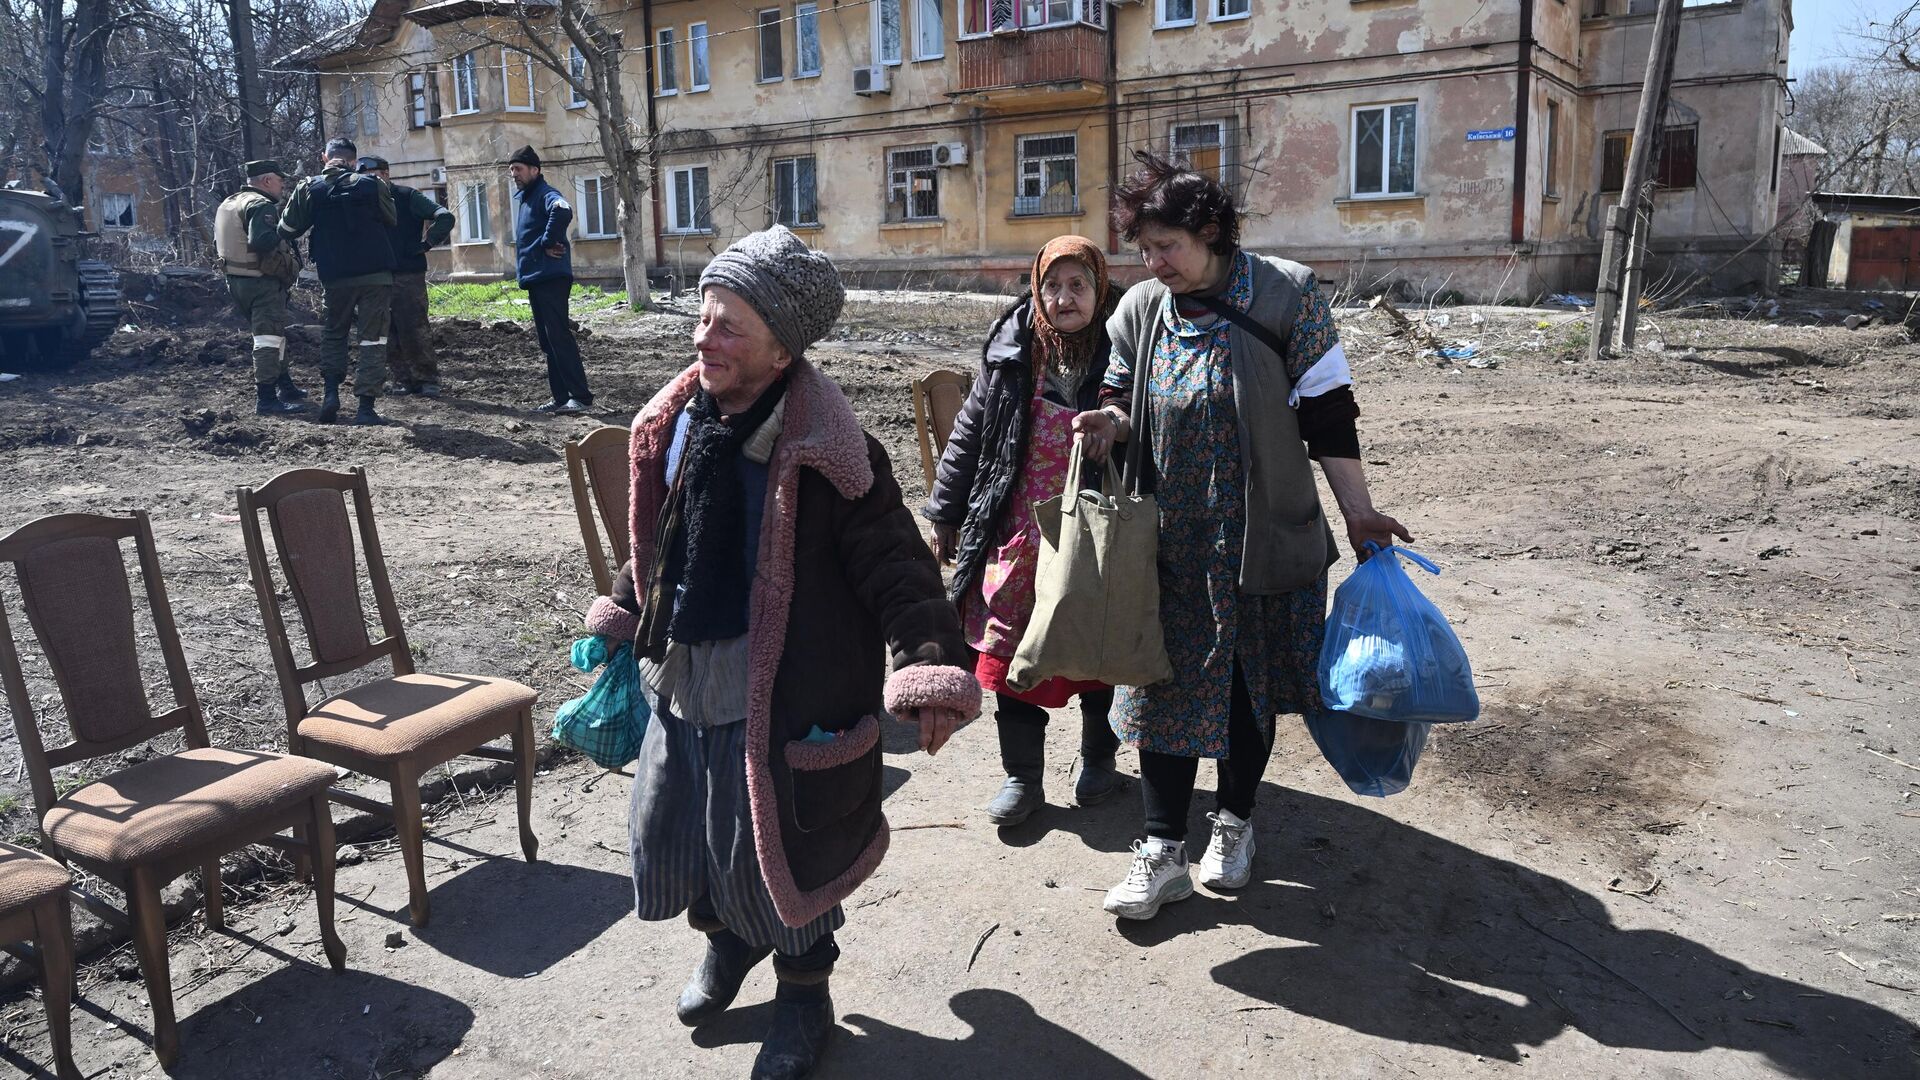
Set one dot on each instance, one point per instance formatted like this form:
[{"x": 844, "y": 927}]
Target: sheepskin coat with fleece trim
[{"x": 843, "y": 581}]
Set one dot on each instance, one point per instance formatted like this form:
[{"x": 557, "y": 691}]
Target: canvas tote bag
[{"x": 1096, "y": 612}]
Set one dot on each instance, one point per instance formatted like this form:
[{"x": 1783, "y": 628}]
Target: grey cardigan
[{"x": 1288, "y": 542}]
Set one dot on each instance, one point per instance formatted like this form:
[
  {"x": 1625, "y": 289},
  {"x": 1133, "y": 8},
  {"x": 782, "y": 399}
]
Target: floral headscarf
[{"x": 1069, "y": 354}]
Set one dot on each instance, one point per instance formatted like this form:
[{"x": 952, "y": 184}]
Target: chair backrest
[
  {"x": 306, "y": 510},
  {"x": 937, "y": 397},
  {"x": 79, "y": 603},
  {"x": 598, "y": 470}
]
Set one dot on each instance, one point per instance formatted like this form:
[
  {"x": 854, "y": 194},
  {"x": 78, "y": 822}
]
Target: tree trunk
[
  {"x": 253, "y": 127},
  {"x": 75, "y": 83}
]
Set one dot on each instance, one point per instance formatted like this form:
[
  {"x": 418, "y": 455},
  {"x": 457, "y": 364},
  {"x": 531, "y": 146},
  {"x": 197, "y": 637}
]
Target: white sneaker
[
  {"x": 1228, "y": 863},
  {"x": 1158, "y": 876}
]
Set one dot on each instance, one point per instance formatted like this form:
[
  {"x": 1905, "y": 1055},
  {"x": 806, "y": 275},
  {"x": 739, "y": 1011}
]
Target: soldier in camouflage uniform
[
  {"x": 410, "y": 351},
  {"x": 260, "y": 267},
  {"x": 349, "y": 214}
]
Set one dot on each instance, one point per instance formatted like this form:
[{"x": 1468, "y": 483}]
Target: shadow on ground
[
  {"x": 1007, "y": 1034},
  {"x": 1390, "y": 931},
  {"x": 480, "y": 915}
]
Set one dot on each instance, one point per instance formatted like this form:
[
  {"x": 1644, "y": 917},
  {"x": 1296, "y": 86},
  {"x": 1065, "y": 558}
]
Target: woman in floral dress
[
  {"x": 1043, "y": 364},
  {"x": 1227, "y": 379}
]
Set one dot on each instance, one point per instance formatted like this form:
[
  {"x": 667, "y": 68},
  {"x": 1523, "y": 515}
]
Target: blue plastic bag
[
  {"x": 1389, "y": 653},
  {"x": 608, "y": 721},
  {"x": 1374, "y": 757}
]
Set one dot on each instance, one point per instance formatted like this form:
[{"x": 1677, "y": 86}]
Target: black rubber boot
[
  {"x": 801, "y": 1029},
  {"x": 288, "y": 391},
  {"x": 366, "y": 417},
  {"x": 1098, "y": 779},
  {"x": 270, "y": 405},
  {"x": 717, "y": 981},
  {"x": 1023, "y": 750},
  {"x": 330, "y": 401}
]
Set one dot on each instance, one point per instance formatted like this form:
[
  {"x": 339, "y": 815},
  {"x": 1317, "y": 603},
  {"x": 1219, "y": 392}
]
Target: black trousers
[
  {"x": 1166, "y": 780},
  {"x": 566, "y": 375},
  {"x": 1098, "y": 743}
]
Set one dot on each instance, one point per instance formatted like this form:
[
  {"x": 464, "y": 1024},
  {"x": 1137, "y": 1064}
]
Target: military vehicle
[{"x": 54, "y": 305}]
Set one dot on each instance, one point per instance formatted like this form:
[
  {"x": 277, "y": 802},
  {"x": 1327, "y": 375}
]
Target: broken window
[
  {"x": 1228, "y": 9},
  {"x": 466, "y": 84},
  {"x": 516, "y": 74},
  {"x": 1202, "y": 147},
  {"x": 577, "y": 69},
  {"x": 596, "y": 218},
  {"x": 663, "y": 61},
  {"x": 1552, "y": 186},
  {"x": 1048, "y": 178},
  {"x": 1676, "y": 164},
  {"x": 1383, "y": 149},
  {"x": 772, "y": 60},
  {"x": 697, "y": 55},
  {"x": 913, "y": 185},
  {"x": 795, "y": 202},
  {"x": 688, "y": 210},
  {"x": 929, "y": 30},
  {"x": 806, "y": 40},
  {"x": 475, "y": 224},
  {"x": 116, "y": 210},
  {"x": 886, "y": 31}
]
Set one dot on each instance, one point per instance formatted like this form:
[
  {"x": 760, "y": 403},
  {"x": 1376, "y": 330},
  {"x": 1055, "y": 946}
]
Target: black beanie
[{"x": 525, "y": 156}]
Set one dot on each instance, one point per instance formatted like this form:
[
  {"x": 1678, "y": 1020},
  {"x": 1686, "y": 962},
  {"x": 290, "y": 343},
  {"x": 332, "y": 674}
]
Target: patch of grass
[
  {"x": 492, "y": 301},
  {"x": 7, "y": 804}
]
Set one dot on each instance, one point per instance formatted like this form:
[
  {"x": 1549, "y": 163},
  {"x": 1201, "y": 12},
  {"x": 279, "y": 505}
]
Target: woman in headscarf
[
  {"x": 1043, "y": 363},
  {"x": 774, "y": 566}
]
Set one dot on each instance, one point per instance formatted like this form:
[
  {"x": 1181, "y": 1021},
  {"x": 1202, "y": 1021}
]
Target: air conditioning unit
[
  {"x": 870, "y": 80},
  {"x": 439, "y": 174},
  {"x": 947, "y": 154}
]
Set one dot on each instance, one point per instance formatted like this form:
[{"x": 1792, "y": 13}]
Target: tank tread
[{"x": 100, "y": 295}]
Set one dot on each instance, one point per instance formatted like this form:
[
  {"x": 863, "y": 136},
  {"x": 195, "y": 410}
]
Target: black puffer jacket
[{"x": 987, "y": 451}]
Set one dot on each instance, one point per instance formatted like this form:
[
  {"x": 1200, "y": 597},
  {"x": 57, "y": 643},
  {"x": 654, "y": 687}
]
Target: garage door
[{"x": 1885, "y": 257}]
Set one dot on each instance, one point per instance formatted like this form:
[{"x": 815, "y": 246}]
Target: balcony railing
[{"x": 1071, "y": 53}]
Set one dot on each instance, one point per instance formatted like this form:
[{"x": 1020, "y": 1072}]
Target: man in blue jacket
[{"x": 545, "y": 269}]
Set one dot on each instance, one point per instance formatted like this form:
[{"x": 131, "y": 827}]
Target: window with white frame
[
  {"x": 423, "y": 99},
  {"x": 697, "y": 57},
  {"x": 466, "y": 83},
  {"x": 476, "y": 225},
  {"x": 929, "y": 29},
  {"x": 116, "y": 210},
  {"x": 687, "y": 208},
  {"x": 886, "y": 31},
  {"x": 1172, "y": 13},
  {"x": 1383, "y": 149},
  {"x": 577, "y": 72},
  {"x": 1048, "y": 177},
  {"x": 516, "y": 79},
  {"x": 349, "y": 125},
  {"x": 913, "y": 185},
  {"x": 772, "y": 57},
  {"x": 806, "y": 40},
  {"x": 1224, "y": 10},
  {"x": 663, "y": 62},
  {"x": 1201, "y": 145},
  {"x": 795, "y": 201},
  {"x": 596, "y": 200}
]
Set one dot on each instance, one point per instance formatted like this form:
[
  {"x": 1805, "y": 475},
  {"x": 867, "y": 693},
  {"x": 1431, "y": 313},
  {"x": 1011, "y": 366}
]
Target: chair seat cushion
[
  {"x": 416, "y": 714},
  {"x": 28, "y": 877},
  {"x": 171, "y": 804}
]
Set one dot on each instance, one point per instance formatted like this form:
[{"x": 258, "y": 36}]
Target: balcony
[{"x": 1044, "y": 67}]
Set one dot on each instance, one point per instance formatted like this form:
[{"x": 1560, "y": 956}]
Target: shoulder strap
[{"x": 1244, "y": 321}]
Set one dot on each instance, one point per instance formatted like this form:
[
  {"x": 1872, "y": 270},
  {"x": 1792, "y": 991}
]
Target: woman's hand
[
  {"x": 937, "y": 725},
  {"x": 1097, "y": 431},
  {"x": 946, "y": 541},
  {"x": 1371, "y": 524}
]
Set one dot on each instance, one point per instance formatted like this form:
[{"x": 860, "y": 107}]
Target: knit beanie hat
[
  {"x": 795, "y": 289},
  {"x": 525, "y": 156}
]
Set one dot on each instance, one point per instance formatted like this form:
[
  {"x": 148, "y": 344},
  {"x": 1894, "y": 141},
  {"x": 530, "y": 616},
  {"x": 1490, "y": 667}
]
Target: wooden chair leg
[
  {"x": 302, "y": 859},
  {"x": 524, "y": 757},
  {"x": 411, "y": 829},
  {"x": 150, "y": 944},
  {"x": 322, "y": 834},
  {"x": 216, "y": 905},
  {"x": 53, "y": 936}
]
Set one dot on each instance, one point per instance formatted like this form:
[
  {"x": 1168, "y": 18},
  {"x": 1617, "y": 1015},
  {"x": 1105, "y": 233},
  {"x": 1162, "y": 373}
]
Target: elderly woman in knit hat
[
  {"x": 1042, "y": 364},
  {"x": 775, "y": 569}
]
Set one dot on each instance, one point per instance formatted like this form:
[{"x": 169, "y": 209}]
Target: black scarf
[{"x": 707, "y": 555}]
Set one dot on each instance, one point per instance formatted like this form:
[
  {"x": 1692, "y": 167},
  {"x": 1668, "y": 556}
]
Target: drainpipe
[
  {"x": 1522, "y": 114},
  {"x": 1113, "y": 123},
  {"x": 653, "y": 153}
]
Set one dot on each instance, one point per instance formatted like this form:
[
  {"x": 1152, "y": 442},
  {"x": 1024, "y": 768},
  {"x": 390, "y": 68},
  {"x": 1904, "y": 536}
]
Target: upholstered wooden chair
[
  {"x": 937, "y": 397},
  {"x": 34, "y": 907},
  {"x": 394, "y": 728},
  {"x": 597, "y": 469},
  {"x": 142, "y": 826}
]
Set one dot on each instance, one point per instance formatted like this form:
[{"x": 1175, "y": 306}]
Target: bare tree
[
  {"x": 593, "y": 72},
  {"x": 1868, "y": 120}
]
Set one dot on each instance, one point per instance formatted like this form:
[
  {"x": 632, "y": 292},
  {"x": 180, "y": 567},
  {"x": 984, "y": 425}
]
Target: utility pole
[
  {"x": 1622, "y": 218},
  {"x": 253, "y": 120}
]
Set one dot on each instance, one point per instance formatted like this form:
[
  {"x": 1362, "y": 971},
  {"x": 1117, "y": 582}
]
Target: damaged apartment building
[{"x": 1470, "y": 146}]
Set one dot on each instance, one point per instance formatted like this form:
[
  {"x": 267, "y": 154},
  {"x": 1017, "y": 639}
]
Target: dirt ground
[{"x": 1681, "y": 842}]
